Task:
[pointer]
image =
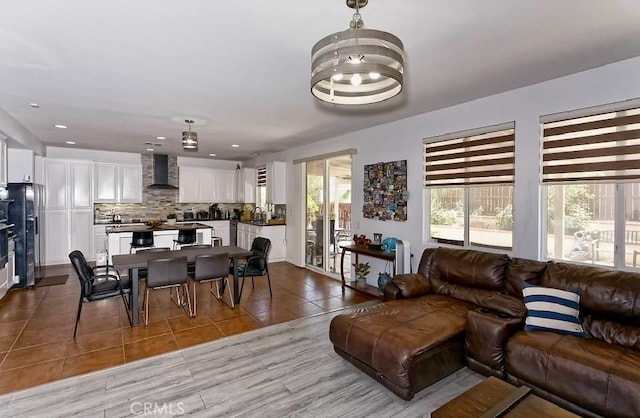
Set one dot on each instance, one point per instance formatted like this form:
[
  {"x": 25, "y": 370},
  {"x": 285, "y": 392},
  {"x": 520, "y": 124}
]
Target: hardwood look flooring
[
  {"x": 285, "y": 370},
  {"x": 36, "y": 325}
]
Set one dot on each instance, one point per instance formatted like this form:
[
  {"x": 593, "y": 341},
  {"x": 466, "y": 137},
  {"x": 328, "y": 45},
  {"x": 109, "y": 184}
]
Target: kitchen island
[
  {"x": 276, "y": 233},
  {"x": 119, "y": 237}
]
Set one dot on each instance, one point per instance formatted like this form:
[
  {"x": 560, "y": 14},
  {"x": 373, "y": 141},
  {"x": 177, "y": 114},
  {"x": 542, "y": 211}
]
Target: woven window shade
[
  {"x": 487, "y": 158},
  {"x": 261, "y": 172},
  {"x": 593, "y": 148}
]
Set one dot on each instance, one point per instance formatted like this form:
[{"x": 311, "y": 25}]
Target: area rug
[
  {"x": 52, "y": 280},
  {"x": 285, "y": 370}
]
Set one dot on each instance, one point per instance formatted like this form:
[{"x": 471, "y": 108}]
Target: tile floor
[{"x": 36, "y": 325}]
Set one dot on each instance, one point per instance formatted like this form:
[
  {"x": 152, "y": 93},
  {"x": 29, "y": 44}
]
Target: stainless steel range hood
[{"x": 161, "y": 173}]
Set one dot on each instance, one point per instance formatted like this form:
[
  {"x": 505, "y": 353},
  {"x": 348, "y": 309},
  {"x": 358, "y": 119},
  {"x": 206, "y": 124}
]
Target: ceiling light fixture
[
  {"x": 161, "y": 137},
  {"x": 357, "y": 66},
  {"x": 235, "y": 146},
  {"x": 60, "y": 126},
  {"x": 189, "y": 139},
  {"x": 34, "y": 105},
  {"x": 212, "y": 155},
  {"x": 71, "y": 142},
  {"x": 150, "y": 149}
]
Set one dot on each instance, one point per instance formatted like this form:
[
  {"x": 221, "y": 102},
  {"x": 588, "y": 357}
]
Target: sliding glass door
[{"x": 328, "y": 212}]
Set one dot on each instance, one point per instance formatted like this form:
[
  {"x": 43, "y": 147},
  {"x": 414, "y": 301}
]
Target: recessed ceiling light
[
  {"x": 235, "y": 146},
  {"x": 71, "y": 142},
  {"x": 161, "y": 137},
  {"x": 150, "y": 149},
  {"x": 212, "y": 155},
  {"x": 34, "y": 105},
  {"x": 61, "y": 126}
]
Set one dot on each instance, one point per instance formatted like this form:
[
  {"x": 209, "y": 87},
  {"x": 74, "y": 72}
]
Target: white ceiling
[{"x": 121, "y": 72}]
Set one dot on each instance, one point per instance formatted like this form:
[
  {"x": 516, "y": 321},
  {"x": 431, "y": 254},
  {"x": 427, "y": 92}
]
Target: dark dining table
[{"x": 134, "y": 262}]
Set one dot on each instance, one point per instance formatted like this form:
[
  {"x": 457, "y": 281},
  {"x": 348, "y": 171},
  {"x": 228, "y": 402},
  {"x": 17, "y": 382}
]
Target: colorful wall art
[{"x": 385, "y": 191}]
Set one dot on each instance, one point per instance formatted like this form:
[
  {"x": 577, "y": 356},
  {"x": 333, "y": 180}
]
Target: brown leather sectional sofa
[{"x": 465, "y": 307}]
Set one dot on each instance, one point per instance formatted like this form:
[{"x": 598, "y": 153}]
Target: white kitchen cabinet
[
  {"x": 246, "y": 185},
  {"x": 225, "y": 186},
  {"x": 106, "y": 182},
  {"x": 81, "y": 232},
  {"x": 277, "y": 182},
  {"x": 68, "y": 209},
  {"x": 206, "y": 185},
  {"x": 56, "y": 237},
  {"x": 130, "y": 183},
  {"x": 56, "y": 180},
  {"x": 189, "y": 185},
  {"x": 4, "y": 163},
  {"x": 81, "y": 184},
  {"x": 118, "y": 183}
]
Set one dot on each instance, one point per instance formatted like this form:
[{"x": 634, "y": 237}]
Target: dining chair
[
  {"x": 96, "y": 286},
  {"x": 141, "y": 239},
  {"x": 142, "y": 273},
  {"x": 167, "y": 273},
  {"x": 211, "y": 268},
  {"x": 185, "y": 237},
  {"x": 256, "y": 264}
]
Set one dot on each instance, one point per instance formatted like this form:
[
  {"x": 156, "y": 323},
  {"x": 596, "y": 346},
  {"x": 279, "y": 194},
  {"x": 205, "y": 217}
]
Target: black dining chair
[
  {"x": 96, "y": 286},
  {"x": 185, "y": 237},
  {"x": 167, "y": 273},
  {"x": 256, "y": 264},
  {"x": 142, "y": 273},
  {"x": 141, "y": 239},
  {"x": 211, "y": 268}
]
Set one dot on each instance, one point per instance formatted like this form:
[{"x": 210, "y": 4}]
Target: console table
[{"x": 357, "y": 250}]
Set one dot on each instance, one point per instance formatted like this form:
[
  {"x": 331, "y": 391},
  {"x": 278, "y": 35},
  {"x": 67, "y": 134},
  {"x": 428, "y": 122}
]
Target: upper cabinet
[
  {"x": 225, "y": 190},
  {"x": 246, "y": 185},
  {"x": 206, "y": 185},
  {"x": 130, "y": 183},
  {"x": 68, "y": 184},
  {"x": 116, "y": 183},
  {"x": 277, "y": 182},
  {"x": 4, "y": 163}
]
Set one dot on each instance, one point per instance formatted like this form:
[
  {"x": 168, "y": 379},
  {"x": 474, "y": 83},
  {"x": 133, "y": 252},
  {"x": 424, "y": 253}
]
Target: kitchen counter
[
  {"x": 163, "y": 227},
  {"x": 260, "y": 223}
]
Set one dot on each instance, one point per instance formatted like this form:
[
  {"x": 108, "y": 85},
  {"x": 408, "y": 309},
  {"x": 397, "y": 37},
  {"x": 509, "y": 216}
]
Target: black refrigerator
[{"x": 25, "y": 213}]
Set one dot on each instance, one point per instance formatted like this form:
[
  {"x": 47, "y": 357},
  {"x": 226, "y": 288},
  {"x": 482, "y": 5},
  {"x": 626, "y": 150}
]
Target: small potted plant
[
  {"x": 171, "y": 218},
  {"x": 361, "y": 270}
]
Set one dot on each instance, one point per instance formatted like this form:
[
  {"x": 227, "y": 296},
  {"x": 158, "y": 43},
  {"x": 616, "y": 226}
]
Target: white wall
[
  {"x": 20, "y": 164},
  {"x": 403, "y": 140},
  {"x": 93, "y": 155},
  {"x": 207, "y": 163},
  {"x": 19, "y": 135}
]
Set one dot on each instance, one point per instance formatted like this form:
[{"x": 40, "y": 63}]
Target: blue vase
[{"x": 383, "y": 279}]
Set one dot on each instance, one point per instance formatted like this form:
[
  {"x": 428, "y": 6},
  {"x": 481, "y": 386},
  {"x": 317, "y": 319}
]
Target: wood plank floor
[
  {"x": 36, "y": 326},
  {"x": 285, "y": 370}
]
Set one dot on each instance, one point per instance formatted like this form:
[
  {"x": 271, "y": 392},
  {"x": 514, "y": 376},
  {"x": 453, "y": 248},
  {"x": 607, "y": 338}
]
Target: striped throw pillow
[{"x": 552, "y": 310}]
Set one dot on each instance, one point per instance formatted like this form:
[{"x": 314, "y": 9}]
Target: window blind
[
  {"x": 486, "y": 158},
  {"x": 605, "y": 146},
  {"x": 261, "y": 173}
]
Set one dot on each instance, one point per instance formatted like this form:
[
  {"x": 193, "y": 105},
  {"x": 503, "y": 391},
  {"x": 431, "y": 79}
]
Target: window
[
  {"x": 591, "y": 178},
  {"x": 469, "y": 187},
  {"x": 261, "y": 189}
]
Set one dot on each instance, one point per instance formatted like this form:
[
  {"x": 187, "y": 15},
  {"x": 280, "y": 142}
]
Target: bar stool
[
  {"x": 211, "y": 268},
  {"x": 141, "y": 239},
  {"x": 167, "y": 273},
  {"x": 185, "y": 237}
]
